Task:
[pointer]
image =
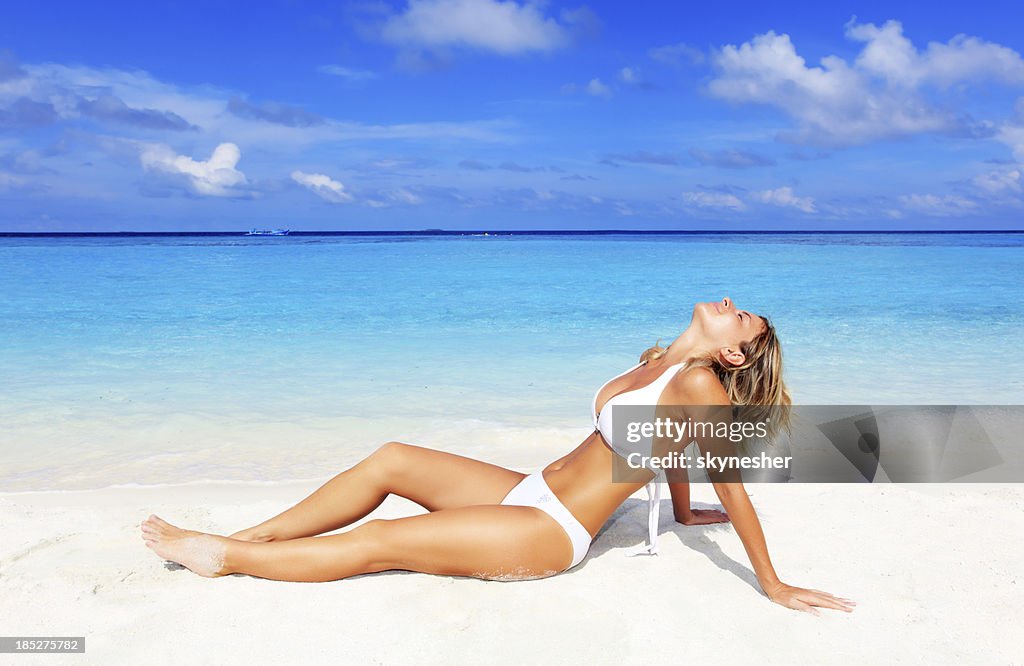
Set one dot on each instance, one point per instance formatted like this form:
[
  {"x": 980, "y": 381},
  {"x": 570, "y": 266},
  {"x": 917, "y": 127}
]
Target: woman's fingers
[
  {"x": 842, "y": 600},
  {"x": 807, "y": 608},
  {"x": 825, "y": 601}
]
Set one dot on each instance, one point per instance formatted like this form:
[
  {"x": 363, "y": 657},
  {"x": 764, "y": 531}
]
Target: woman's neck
[{"x": 684, "y": 348}]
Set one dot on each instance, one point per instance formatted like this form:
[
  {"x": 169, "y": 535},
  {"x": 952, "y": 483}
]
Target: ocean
[{"x": 166, "y": 359}]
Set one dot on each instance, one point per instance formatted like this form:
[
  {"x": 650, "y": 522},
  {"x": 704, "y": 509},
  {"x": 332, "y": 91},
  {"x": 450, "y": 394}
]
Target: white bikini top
[{"x": 647, "y": 396}]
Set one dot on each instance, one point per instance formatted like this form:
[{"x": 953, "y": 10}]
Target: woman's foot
[{"x": 200, "y": 552}]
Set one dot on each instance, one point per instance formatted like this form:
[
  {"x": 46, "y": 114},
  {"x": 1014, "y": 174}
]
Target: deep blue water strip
[{"x": 516, "y": 232}]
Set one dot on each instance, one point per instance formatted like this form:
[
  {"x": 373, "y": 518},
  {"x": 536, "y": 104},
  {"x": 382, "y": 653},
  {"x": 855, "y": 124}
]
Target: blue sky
[{"x": 481, "y": 114}]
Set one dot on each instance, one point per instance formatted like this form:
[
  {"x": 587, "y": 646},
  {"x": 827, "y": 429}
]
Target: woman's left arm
[
  {"x": 736, "y": 502},
  {"x": 701, "y": 391}
]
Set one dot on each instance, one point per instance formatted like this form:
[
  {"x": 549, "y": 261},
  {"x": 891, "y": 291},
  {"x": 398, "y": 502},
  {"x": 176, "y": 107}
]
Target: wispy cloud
[
  {"x": 113, "y": 109},
  {"x": 713, "y": 200},
  {"x": 44, "y": 94},
  {"x": 594, "y": 87},
  {"x": 947, "y": 205},
  {"x": 677, "y": 54},
  {"x": 274, "y": 112},
  {"x": 347, "y": 73},
  {"x": 24, "y": 112},
  {"x": 730, "y": 158},
  {"x": 641, "y": 157},
  {"x": 323, "y": 186},
  {"x": 784, "y": 197}
]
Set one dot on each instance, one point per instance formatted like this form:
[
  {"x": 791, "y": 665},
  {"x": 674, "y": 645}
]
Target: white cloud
[
  {"x": 1000, "y": 183},
  {"x": 493, "y": 25},
  {"x": 396, "y": 197},
  {"x": 676, "y": 54},
  {"x": 346, "y": 72},
  {"x": 880, "y": 95},
  {"x": 1012, "y": 135},
  {"x": 323, "y": 186},
  {"x": 713, "y": 200},
  {"x": 598, "y": 89},
  {"x": 942, "y": 206},
  {"x": 783, "y": 196},
  {"x": 216, "y": 177},
  {"x": 891, "y": 56},
  {"x": 629, "y": 75}
]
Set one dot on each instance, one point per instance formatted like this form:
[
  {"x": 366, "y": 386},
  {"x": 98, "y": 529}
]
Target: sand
[{"x": 935, "y": 570}]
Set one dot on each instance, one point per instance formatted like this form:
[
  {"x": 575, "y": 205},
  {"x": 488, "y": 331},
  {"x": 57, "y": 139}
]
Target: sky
[{"x": 491, "y": 114}]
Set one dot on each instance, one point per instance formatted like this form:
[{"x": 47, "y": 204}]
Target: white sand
[{"x": 935, "y": 570}]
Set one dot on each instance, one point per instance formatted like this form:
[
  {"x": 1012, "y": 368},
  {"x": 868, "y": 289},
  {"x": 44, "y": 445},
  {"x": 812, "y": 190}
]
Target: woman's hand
[
  {"x": 703, "y": 517},
  {"x": 805, "y": 600}
]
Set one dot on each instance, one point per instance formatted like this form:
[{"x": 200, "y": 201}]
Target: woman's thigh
[
  {"x": 492, "y": 542},
  {"x": 438, "y": 480}
]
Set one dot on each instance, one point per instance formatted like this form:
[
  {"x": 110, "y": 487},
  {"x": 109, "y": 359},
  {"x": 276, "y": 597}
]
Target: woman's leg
[
  {"x": 433, "y": 479},
  {"x": 486, "y": 541}
]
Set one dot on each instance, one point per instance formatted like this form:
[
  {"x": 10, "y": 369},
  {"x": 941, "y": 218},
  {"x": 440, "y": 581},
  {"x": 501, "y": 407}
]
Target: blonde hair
[{"x": 756, "y": 384}]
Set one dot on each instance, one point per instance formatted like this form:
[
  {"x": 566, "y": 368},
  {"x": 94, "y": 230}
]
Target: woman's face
[{"x": 723, "y": 324}]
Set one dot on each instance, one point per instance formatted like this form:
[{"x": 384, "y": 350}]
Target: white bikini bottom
[{"x": 534, "y": 491}]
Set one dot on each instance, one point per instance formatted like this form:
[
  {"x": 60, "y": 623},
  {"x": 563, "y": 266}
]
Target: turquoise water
[{"x": 158, "y": 359}]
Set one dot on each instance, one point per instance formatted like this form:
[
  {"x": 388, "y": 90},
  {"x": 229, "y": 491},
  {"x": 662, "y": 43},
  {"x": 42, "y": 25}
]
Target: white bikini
[{"x": 534, "y": 490}]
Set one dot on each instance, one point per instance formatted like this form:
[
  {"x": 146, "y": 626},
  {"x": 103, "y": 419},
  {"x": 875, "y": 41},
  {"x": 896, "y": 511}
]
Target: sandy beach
[{"x": 934, "y": 569}]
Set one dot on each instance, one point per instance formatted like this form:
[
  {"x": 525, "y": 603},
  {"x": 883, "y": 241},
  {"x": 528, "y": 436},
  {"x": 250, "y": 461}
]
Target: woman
[{"x": 490, "y": 522}]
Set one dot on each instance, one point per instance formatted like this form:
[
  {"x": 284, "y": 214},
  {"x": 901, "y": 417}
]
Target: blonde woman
[{"x": 490, "y": 522}]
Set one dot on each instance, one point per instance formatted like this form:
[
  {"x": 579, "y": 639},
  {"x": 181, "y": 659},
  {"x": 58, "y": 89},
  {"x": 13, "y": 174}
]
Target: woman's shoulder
[{"x": 697, "y": 385}]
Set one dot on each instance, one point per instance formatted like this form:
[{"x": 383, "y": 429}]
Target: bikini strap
[{"x": 653, "y": 515}]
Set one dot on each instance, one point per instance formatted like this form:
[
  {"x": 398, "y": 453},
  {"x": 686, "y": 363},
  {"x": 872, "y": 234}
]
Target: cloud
[
  {"x": 1011, "y": 132},
  {"x": 880, "y": 95},
  {"x": 731, "y": 158},
  {"x": 113, "y": 109},
  {"x": 641, "y": 157},
  {"x": 597, "y": 89},
  {"x": 216, "y": 177},
  {"x": 28, "y": 162},
  {"x": 784, "y": 197},
  {"x": 713, "y": 200},
  {"x": 274, "y": 112},
  {"x": 505, "y": 28},
  {"x": 9, "y": 68},
  {"x": 474, "y": 165},
  {"x": 398, "y": 164},
  {"x": 948, "y": 205},
  {"x": 999, "y": 184},
  {"x": 677, "y": 54},
  {"x": 891, "y": 56},
  {"x": 346, "y": 72},
  {"x": 323, "y": 186},
  {"x": 24, "y": 113},
  {"x": 402, "y": 196},
  {"x": 633, "y": 78},
  {"x": 52, "y": 93}
]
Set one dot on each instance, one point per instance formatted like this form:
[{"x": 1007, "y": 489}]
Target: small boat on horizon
[{"x": 268, "y": 232}]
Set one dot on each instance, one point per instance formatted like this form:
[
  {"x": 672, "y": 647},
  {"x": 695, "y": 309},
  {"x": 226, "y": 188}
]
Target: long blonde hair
[{"x": 756, "y": 384}]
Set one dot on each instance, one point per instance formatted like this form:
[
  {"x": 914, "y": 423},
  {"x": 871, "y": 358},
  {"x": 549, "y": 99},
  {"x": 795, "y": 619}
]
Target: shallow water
[{"x": 156, "y": 359}]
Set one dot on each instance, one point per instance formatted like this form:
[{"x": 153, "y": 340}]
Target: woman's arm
[
  {"x": 679, "y": 487},
  {"x": 702, "y": 390}
]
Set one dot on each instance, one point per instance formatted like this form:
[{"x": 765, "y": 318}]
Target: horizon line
[{"x": 509, "y": 232}]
